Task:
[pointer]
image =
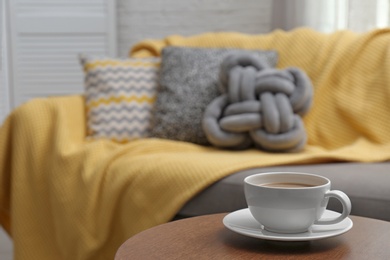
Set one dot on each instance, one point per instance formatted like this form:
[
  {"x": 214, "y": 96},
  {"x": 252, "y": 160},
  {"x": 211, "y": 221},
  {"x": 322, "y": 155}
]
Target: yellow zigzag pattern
[
  {"x": 106, "y": 101},
  {"x": 116, "y": 63}
]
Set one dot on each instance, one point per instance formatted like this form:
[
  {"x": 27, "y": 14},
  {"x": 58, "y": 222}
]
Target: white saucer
[{"x": 242, "y": 222}]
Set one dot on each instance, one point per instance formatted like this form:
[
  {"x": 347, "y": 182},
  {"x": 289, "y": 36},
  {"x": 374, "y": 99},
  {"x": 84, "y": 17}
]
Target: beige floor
[{"x": 5, "y": 246}]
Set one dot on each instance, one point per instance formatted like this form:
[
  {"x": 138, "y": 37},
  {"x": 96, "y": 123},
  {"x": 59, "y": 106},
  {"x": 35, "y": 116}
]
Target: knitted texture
[
  {"x": 188, "y": 83},
  {"x": 259, "y": 105},
  {"x": 349, "y": 73}
]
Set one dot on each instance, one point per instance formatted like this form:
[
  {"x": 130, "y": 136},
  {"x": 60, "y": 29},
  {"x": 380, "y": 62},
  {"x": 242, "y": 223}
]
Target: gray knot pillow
[
  {"x": 259, "y": 106},
  {"x": 188, "y": 82}
]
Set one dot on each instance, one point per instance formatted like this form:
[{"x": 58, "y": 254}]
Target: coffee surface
[{"x": 286, "y": 185}]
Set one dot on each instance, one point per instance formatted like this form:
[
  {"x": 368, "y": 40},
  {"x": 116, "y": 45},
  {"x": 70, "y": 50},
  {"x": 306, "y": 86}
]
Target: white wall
[{"x": 140, "y": 19}]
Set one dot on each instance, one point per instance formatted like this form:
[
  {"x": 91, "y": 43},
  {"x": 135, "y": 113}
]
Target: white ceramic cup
[{"x": 291, "y": 209}]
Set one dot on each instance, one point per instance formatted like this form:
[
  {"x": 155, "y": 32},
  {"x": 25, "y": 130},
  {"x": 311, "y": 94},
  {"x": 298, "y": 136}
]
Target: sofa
[{"x": 68, "y": 191}]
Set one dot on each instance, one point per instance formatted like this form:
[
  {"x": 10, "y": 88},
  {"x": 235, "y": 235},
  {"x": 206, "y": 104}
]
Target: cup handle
[{"x": 345, "y": 201}]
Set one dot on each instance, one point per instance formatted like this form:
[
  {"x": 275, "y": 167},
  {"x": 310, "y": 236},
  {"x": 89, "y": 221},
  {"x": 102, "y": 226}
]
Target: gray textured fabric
[
  {"x": 366, "y": 184},
  {"x": 188, "y": 83},
  {"x": 259, "y": 105}
]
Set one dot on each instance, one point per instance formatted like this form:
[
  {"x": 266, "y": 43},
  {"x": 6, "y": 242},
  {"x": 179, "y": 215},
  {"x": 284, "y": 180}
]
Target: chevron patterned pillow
[{"x": 119, "y": 95}]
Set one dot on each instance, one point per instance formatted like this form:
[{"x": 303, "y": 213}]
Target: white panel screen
[{"x": 48, "y": 36}]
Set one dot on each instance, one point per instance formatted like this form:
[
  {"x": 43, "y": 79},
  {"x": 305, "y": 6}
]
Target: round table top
[{"x": 206, "y": 237}]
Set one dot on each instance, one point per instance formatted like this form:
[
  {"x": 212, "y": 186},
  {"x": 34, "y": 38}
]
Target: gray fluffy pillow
[{"x": 189, "y": 81}]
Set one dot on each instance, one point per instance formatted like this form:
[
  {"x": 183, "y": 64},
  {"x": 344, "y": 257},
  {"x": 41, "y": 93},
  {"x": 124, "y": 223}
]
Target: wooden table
[{"x": 206, "y": 237}]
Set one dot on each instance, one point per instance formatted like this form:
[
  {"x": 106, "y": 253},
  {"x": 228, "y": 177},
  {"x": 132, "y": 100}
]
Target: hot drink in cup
[{"x": 291, "y": 202}]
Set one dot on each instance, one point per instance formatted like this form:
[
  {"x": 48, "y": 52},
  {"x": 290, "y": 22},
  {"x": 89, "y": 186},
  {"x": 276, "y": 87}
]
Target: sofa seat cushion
[{"x": 366, "y": 184}]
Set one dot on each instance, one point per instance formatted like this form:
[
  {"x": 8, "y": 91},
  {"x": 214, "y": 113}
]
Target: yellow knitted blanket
[
  {"x": 62, "y": 197},
  {"x": 349, "y": 72}
]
